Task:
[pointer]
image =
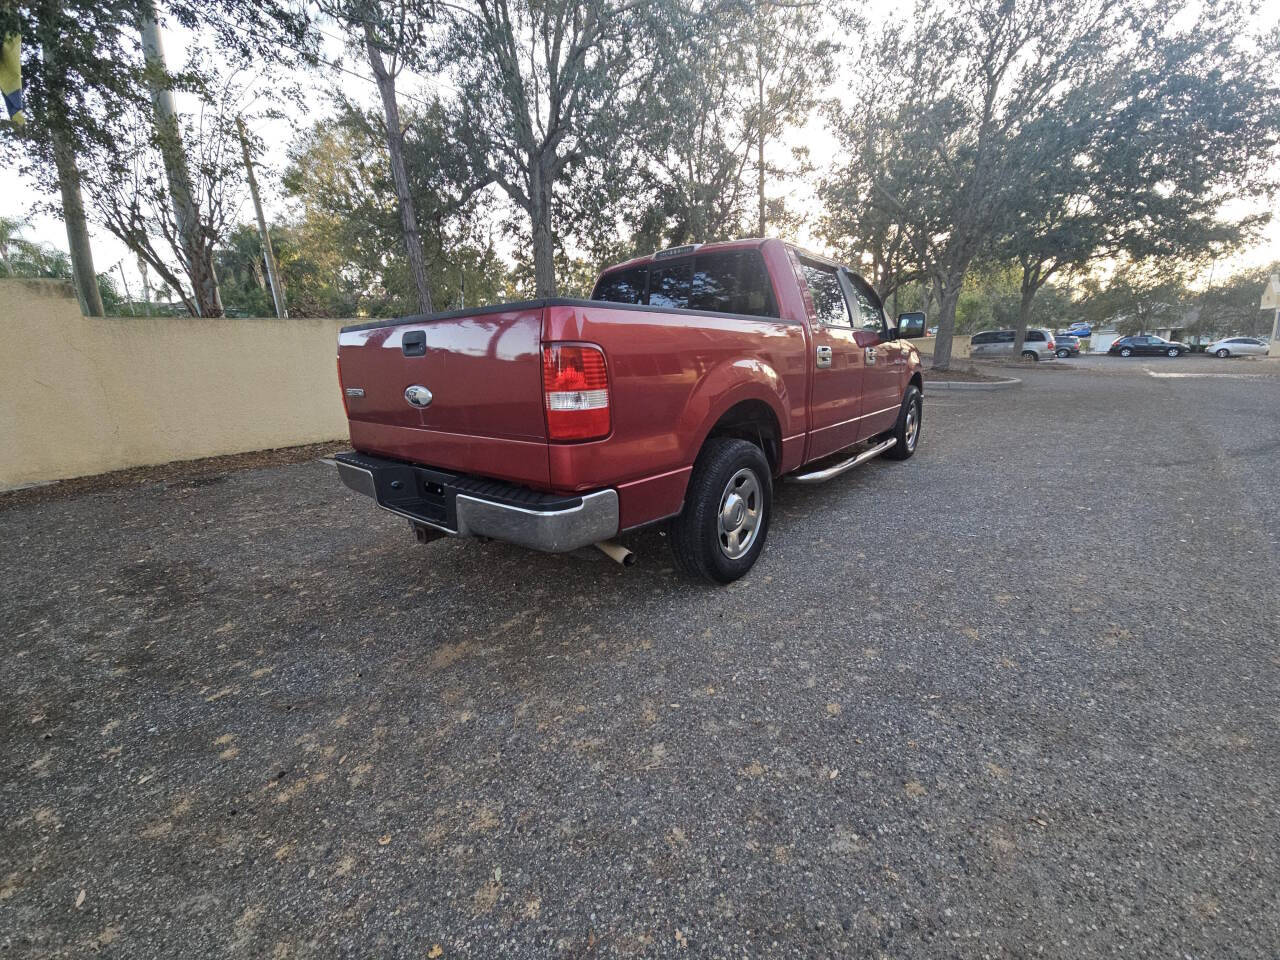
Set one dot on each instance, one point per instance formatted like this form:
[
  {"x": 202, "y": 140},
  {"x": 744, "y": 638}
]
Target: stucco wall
[{"x": 80, "y": 395}]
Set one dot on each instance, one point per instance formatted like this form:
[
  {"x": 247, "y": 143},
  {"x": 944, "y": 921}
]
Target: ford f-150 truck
[{"x": 688, "y": 384}]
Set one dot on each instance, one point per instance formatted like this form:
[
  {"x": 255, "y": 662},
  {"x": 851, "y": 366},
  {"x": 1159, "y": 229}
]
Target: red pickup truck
[{"x": 689, "y": 382}]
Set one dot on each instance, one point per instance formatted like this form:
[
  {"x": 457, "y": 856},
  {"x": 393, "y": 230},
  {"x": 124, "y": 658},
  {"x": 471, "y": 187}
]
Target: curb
[{"x": 932, "y": 385}]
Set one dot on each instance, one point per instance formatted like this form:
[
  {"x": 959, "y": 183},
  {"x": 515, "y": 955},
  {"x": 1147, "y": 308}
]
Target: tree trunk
[
  {"x": 1031, "y": 283},
  {"x": 268, "y": 255},
  {"x": 399, "y": 176},
  {"x": 86, "y": 280},
  {"x": 197, "y": 254},
  {"x": 544, "y": 245},
  {"x": 760, "y": 145},
  {"x": 950, "y": 297}
]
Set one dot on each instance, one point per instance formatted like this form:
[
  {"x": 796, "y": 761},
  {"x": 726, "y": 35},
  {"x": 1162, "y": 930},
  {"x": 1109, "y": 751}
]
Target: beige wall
[
  {"x": 959, "y": 347},
  {"x": 80, "y": 395}
]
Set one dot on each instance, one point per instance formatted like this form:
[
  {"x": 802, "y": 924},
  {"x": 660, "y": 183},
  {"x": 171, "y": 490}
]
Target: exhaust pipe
[{"x": 616, "y": 552}]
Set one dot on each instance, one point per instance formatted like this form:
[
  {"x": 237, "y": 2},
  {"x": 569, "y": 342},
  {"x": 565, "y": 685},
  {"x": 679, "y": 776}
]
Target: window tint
[
  {"x": 870, "y": 315},
  {"x": 669, "y": 283},
  {"x": 1034, "y": 336},
  {"x": 622, "y": 286},
  {"x": 828, "y": 299},
  {"x": 732, "y": 282},
  {"x": 984, "y": 338},
  {"x": 1004, "y": 336}
]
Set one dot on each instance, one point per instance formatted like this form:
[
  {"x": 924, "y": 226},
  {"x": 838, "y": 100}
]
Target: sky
[{"x": 111, "y": 255}]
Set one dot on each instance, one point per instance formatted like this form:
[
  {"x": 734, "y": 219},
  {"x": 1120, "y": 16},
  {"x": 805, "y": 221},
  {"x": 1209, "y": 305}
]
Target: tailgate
[{"x": 483, "y": 372}]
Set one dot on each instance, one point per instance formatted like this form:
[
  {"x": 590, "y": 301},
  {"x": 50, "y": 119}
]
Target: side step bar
[{"x": 818, "y": 476}]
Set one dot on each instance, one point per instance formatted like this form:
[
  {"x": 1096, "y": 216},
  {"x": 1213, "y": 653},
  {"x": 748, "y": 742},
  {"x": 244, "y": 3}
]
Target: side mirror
[{"x": 910, "y": 325}]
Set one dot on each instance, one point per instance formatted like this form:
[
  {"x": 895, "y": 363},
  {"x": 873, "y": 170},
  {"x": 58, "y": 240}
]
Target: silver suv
[{"x": 994, "y": 344}]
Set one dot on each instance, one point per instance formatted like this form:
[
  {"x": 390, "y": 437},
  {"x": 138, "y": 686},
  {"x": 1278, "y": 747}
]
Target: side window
[
  {"x": 1004, "y": 336},
  {"x": 870, "y": 315},
  {"x": 669, "y": 283},
  {"x": 1035, "y": 336},
  {"x": 828, "y": 299},
  {"x": 982, "y": 338},
  {"x": 732, "y": 282},
  {"x": 621, "y": 286}
]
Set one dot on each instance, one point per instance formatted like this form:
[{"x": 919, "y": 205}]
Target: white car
[{"x": 1238, "y": 347}]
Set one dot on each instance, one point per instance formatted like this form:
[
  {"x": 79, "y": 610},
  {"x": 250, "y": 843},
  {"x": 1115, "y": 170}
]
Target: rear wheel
[
  {"x": 1030, "y": 355},
  {"x": 722, "y": 529},
  {"x": 907, "y": 430},
  {"x": 1126, "y": 352},
  {"x": 1063, "y": 354},
  {"x": 1223, "y": 353}
]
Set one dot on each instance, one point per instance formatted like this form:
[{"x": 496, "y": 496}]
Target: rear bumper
[{"x": 474, "y": 507}]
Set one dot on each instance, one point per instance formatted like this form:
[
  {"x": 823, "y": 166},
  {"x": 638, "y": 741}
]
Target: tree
[
  {"x": 390, "y": 32},
  {"x": 1136, "y": 139},
  {"x": 339, "y": 255},
  {"x": 790, "y": 55},
  {"x": 955, "y": 92},
  {"x": 867, "y": 233},
  {"x": 550, "y": 91},
  {"x": 174, "y": 232},
  {"x": 1139, "y": 297}
]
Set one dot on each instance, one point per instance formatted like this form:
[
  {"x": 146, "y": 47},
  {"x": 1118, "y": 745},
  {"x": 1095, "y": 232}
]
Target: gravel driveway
[{"x": 1015, "y": 697}]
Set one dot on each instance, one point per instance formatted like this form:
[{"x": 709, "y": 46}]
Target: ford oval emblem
[{"x": 418, "y": 396}]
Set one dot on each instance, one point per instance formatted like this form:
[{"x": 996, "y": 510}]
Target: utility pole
[
  {"x": 204, "y": 281},
  {"x": 269, "y": 255},
  {"x": 133, "y": 308},
  {"x": 146, "y": 284}
]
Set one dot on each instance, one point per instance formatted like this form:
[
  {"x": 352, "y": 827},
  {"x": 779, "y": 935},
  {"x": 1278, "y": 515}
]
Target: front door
[
  {"x": 837, "y": 361},
  {"x": 885, "y": 360}
]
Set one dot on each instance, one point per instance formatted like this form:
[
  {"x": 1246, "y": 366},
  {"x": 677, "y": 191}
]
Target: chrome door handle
[{"x": 824, "y": 357}]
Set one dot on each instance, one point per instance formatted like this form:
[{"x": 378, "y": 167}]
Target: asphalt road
[{"x": 1015, "y": 697}]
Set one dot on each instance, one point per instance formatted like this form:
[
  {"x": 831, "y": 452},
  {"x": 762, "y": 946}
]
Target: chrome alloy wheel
[
  {"x": 911, "y": 431},
  {"x": 741, "y": 508}
]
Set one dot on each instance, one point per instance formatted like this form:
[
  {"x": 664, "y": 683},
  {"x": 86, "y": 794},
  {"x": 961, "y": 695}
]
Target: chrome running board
[{"x": 818, "y": 476}]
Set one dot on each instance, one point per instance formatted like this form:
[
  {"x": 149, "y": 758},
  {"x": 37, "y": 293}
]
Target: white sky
[{"x": 110, "y": 254}]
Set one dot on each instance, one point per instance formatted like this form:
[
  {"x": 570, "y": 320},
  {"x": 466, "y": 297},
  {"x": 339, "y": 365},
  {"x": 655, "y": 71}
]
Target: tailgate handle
[{"x": 414, "y": 343}]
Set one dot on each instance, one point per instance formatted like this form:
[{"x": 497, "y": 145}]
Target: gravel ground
[{"x": 1015, "y": 697}]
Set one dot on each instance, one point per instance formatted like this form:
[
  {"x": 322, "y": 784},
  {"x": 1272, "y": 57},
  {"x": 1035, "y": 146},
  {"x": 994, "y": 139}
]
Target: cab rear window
[{"x": 732, "y": 281}]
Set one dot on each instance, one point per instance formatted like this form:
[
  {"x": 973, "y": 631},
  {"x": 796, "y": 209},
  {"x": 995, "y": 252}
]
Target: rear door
[
  {"x": 884, "y": 360},
  {"x": 837, "y": 362}
]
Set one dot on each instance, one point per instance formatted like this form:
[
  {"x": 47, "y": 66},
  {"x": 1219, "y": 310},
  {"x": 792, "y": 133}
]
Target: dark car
[
  {"x": 1066, "y": 345},
  {"x": 1148, "y": 346}
]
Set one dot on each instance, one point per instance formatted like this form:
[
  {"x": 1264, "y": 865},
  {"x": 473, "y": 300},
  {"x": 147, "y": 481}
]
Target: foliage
[
  {"x": 342, "y": 253},
  {"x": 552, "y": 99}
]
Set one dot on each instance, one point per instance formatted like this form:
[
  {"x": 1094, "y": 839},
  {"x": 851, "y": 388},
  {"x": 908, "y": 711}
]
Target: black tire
[
  {"x": 1174, "y": 352},
  {"x": 1126, "y": 352},
  {"x": 1063, "y": 354},
  {"x": 1223, "y": 353},
  {"x": 1030, "y": 355},
  {"x": 907, "y": 440},
  {"x": 696, "y": 537}
]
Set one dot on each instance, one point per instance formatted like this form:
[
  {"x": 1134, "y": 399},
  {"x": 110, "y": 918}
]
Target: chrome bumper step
[{"x": 827, "y": 473}]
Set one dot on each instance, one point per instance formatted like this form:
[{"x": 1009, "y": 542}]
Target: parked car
[
  {"x": 1066, "y": 345},
  {"x": 1148, "y": 346},
  {"x": 993, "y": 344},
  {"x": 689, "y": 383},
  {"x": 1080, "y": 329},
  {"x": 1238, "y": 347}
]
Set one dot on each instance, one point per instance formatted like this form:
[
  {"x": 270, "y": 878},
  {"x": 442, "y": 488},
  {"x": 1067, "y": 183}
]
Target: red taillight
[
  {"x": 1051, "y": 344},
  {"x": 576, "y": 386}
]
